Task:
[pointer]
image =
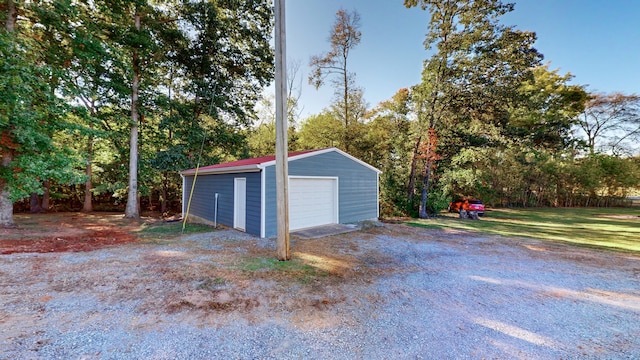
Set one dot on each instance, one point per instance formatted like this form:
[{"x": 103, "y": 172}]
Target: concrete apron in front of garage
[{"x": 324, "y": 230}]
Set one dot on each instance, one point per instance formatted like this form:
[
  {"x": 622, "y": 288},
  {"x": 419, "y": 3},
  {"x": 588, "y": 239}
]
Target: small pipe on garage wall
[{"x": 215, "y": 211}]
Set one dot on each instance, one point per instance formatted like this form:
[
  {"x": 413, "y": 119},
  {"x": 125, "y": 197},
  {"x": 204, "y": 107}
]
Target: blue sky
[{"x": 598, "y": 41}]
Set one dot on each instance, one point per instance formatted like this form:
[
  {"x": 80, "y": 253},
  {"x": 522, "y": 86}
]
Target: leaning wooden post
[{"x": 282, "y": 168}]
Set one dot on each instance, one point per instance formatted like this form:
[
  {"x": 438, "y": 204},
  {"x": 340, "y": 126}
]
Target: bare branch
[{"x": 611, "y": 122}]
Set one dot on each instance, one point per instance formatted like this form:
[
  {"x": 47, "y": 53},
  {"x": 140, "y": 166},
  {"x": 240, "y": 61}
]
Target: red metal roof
[{"x": 246, "y": 162}]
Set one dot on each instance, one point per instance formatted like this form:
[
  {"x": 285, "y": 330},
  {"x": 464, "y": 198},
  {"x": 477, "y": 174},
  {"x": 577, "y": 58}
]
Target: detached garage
[{"x": 326, "y": 186}]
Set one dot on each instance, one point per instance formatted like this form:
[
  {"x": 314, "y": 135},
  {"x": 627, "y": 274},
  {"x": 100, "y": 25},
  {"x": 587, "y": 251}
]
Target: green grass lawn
[
  {"x": 172, "y": 229},
  {"x": 611, "y": 228}
]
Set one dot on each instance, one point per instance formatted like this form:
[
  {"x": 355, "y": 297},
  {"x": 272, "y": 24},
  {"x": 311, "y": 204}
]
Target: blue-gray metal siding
[
  {"x": 357, "y": 187},
  {"x": 202, "y": 202},
  {"x": 270, "y": 202}
]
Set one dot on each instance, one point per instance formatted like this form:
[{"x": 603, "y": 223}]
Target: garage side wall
[
  {"x": 357, "y": 187},
  {"x": 203, "y": 200}
]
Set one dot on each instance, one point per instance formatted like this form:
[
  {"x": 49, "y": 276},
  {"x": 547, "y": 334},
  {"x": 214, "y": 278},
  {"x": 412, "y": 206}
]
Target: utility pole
[{"x": 282, "y": 158}]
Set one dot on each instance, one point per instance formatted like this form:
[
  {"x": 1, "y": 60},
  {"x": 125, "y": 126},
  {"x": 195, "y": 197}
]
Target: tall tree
[
  {"x": 133, "y": 207},
  {"x": 611, "y": 122},
  {"x": 475, "y": 70},
  {"x": 217, "y": 66},
  {"x": 30, "y": 113},
  {"x": 137, "y": 33},
  {"x": 345, "y": 36},
  {"x": 213, "y": 58},
  {"x": 9, "y": 60},
  {"x": 73, "y": 39}
]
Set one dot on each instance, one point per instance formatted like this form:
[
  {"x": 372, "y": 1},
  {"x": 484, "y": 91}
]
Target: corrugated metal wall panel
[
  {"x": 357, "y": 193},
  {"x": 202, "y": 202},
  {"x": 270, "y": 202}
]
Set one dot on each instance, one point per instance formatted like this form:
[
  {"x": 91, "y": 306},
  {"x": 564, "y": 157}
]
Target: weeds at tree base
[
  {"x": 173, "y": 229},
  {"x": 295, "y": 269}
]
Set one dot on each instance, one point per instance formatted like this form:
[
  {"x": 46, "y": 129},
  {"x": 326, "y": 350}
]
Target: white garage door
[{"x": 312, "y": 202}]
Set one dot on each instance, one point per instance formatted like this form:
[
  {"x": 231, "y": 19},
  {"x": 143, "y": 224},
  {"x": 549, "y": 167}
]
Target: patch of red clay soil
[
  {"x": 86, "y": 242},
  {"x": 65, "y": 232}
]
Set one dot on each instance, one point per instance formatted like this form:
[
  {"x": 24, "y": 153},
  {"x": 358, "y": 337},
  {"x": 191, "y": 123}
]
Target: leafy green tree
[
  {"x": 221, "y": 70},
  {"x": 353, "y": 137},
  {"x": 389, "y": 133},
  {"x": 136, "y": 39},
  {"x": 546, "y": 116},
  {"x": 521, "y": 165},
  {"x": 261, "y": 140},
  {"x": 138, "y": 36},
  {"x": 77, "y": 55},
  {"x": 601, "y": 180},
  {"x": 228, "y": 61},
  {"x": 217, "y": 65},
  {"x": 619, "y": 175},
  {"x": 477, "y": 68},
  {"x": 30, "y": 113},
  {"x": 320, "y": 131}
]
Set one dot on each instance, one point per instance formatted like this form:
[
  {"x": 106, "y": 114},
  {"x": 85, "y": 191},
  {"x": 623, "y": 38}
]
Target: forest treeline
[{"x": 104, "y": 102}]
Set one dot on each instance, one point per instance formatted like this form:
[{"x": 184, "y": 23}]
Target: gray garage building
[{"x": 326, "y": 186}]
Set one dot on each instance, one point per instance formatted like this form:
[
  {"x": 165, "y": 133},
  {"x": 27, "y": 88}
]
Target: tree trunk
[
  {"x": 412, "y": 174},
  {"x": 163, "y": 196},
  {"x": 6, "y": 205},
  {"x": 88, "y": 185},
  {"x": 347, "y": 134},
  {"x": 132, "y": 210},
  {"x": 46, "y": 196},
  {"x": 12, "y": 16},
  {"x": 34, "y": 204},
  {"x": 426, "y": 174},
  {"x": 163, "y": 203}
]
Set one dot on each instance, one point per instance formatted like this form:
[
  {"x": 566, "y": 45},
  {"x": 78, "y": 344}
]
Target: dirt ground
[
  {"x": 66, "y": 232},
  {"x": 79, "y": 232},
  {"x": 91, "y": 286}
]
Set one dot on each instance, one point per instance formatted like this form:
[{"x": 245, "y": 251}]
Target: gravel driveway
[{"x": 394, "y": 292}]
